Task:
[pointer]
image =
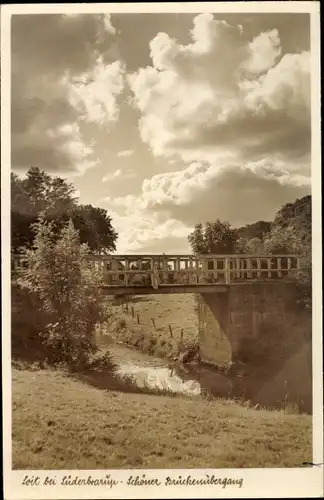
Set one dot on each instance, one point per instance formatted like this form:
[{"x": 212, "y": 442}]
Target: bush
[{"x": 64, "y": 289}]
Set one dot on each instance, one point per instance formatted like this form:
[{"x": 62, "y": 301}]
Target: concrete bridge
[
  {"x": 248, "y": 310},
  {"x": 157, "y": 274}
]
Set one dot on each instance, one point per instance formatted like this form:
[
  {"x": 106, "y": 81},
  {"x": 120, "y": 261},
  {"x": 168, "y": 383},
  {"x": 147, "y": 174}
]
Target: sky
[{"x": 165, "y": 120}]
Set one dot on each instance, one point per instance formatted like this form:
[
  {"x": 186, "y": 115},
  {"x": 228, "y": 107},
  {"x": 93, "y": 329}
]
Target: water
[
  {"x": 156, "y": 373},
  {"x": 161, "y": 378},
  {"x": 151, "y": 372},
  {"x": 199, "y": 380}
]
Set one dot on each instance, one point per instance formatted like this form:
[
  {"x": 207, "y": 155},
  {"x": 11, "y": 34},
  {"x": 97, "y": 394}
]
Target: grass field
[
  {"x": 163, "y": 325},
  {"x": 62, "y": 423}
]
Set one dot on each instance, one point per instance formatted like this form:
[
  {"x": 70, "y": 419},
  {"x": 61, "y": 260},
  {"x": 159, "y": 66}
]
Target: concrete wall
[
  {"x": 213, "y": 324},
  {"x": 262, "y": 328}
]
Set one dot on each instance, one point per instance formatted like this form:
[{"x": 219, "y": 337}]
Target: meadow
[
  {"x": 162, "y": 325},
  {"x": 64, "y": 420},
  {"x": 60, "y": 422}
]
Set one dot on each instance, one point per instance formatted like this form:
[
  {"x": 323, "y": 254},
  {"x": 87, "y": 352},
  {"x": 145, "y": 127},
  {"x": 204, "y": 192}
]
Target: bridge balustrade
[
  {"x": 184, "y": 270},
  {"x": 132, "y": 271}
]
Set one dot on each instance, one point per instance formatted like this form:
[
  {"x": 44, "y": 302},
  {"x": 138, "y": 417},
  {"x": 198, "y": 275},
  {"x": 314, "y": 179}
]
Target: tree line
[
  {"x": 289, "y": 233},
  {"x": 39, "y": 196}
]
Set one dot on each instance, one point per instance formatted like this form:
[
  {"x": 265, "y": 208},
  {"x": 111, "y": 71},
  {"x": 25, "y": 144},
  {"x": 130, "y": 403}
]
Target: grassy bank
[
  {"x": 162, "y": 325},
  {"x": 62, "y": 423}
]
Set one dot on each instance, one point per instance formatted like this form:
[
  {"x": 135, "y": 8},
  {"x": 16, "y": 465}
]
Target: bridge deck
[{"x": 163, "y": 289}]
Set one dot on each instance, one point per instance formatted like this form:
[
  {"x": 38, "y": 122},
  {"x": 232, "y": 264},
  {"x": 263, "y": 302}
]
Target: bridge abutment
[{"x": 263, "y": 327}]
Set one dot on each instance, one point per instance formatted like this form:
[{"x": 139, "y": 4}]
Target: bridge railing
[
  {"x": 194, "y": 270},
  {"x": 180, "y": 270}
]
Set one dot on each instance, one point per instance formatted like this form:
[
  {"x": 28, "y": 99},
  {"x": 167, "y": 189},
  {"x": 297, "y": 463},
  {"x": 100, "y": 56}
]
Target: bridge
[
  {"x": 159, "y": 274},
  {"x": 248, "y": 306}
]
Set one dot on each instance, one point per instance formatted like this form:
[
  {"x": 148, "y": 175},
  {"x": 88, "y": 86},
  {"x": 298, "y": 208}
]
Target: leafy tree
[
  {"x": 53, "y": 199},
  {"x": 37, "y": 195},
  {"x": 65, "y": 291},
  {"x": 20, "y": 214},
  {"x": 213, "y": 238},
  {"x": 297, "y": 214},
  {"x": 95, "y": 227},
  {"x": 281, "y": 240},
  {"x": 251, "y": 246},
  {"x": 256, "y": 230},
  {"x": 290, "y": 234}
]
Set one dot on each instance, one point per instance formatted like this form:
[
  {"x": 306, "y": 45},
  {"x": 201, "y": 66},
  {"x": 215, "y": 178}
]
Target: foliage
[
  {"x": 251, "y": 246},
  {"x": 95, "y": 227},
  {"x": 256, "y": 230},
  {"x": 298, "y": 214},
  {"x": 53, "y": 199},
  {"x": 281, "y": 240},
  {"x": 213, "y": 237},
  {"x": 65, "y": 291},
  {"x": 289, "y": 233}
]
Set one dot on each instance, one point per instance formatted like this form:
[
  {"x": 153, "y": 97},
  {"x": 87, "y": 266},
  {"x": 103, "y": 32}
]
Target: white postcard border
[{"x": 257, "y": 483}]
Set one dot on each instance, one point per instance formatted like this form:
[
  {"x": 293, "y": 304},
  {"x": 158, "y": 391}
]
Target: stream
[{"x": 197, "y": 380}]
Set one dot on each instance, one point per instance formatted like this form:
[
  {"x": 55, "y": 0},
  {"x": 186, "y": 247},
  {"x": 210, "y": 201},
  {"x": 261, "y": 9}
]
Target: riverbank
[
  {"x": 165, "y": 326},
  {"x": 62, "y": 423}
]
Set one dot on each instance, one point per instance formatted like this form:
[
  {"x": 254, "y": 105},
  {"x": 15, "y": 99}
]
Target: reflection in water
[
  {"x": 160, "y": 378},
  {"x": 191, "y": 380},
  {"x": 202, "y": 380}
]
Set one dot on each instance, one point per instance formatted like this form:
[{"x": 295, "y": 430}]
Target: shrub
[
  {"x": 121, "y": 324},
  {"x": 64, "y": 288}
]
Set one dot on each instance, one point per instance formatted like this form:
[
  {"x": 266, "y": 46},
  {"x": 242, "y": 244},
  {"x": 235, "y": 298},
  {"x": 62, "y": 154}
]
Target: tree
[
  {"x": 53, "y": 199},
  {"x": 95, "y": 228},
  {"x": 251, "y": 246},
  {"x": 213, "y": 238},
  {"x": 256, "y": 230},
  {"x": 297, "y": 214},
  {"x": 20, "y": 214},
  {"x": 38, "y": 195},
  {"x": 65, "y": 291},
  {"x": 282, "y": 240}
]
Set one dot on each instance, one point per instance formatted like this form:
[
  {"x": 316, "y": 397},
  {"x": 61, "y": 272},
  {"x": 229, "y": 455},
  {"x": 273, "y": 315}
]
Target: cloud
[
  {"x": 114, "y": 175},
  {"x": 236, "y": 111},
  {"x": 139, "y": 232},
  {"x": 162, "y": 215},
  {"x": 222, "y": 96},
  {"x": 119, "y": 174},
  {"x": 126, "y": 153},
  {"x": 206, "y": 192},
  {"x": 49, "y": 53},
  {"x": 94, "y": 94}
]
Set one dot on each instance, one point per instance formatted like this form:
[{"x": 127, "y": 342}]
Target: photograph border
[{"x": 257, "y": 483}]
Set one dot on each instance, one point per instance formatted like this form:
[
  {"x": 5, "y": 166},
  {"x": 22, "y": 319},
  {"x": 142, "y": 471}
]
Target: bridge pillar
[{"x": 264, "y": 327}]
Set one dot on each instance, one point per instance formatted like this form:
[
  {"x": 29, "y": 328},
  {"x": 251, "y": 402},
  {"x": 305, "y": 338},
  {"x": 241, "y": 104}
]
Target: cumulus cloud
[
  {"x": 113, "y": 175},
  {"x": 236, "y": 111},
  {"x": 160, "y": 218},
  {"x": 49, "y": 53},
  {"x": 223, "y": 95},
  {"x": 205, "y": 192},
  {"x": 119, "y": 174},
  {"x": 138, "y": 231},
  {"x": 125, "y": 153},
  {"x": 94, "y": 93}
]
